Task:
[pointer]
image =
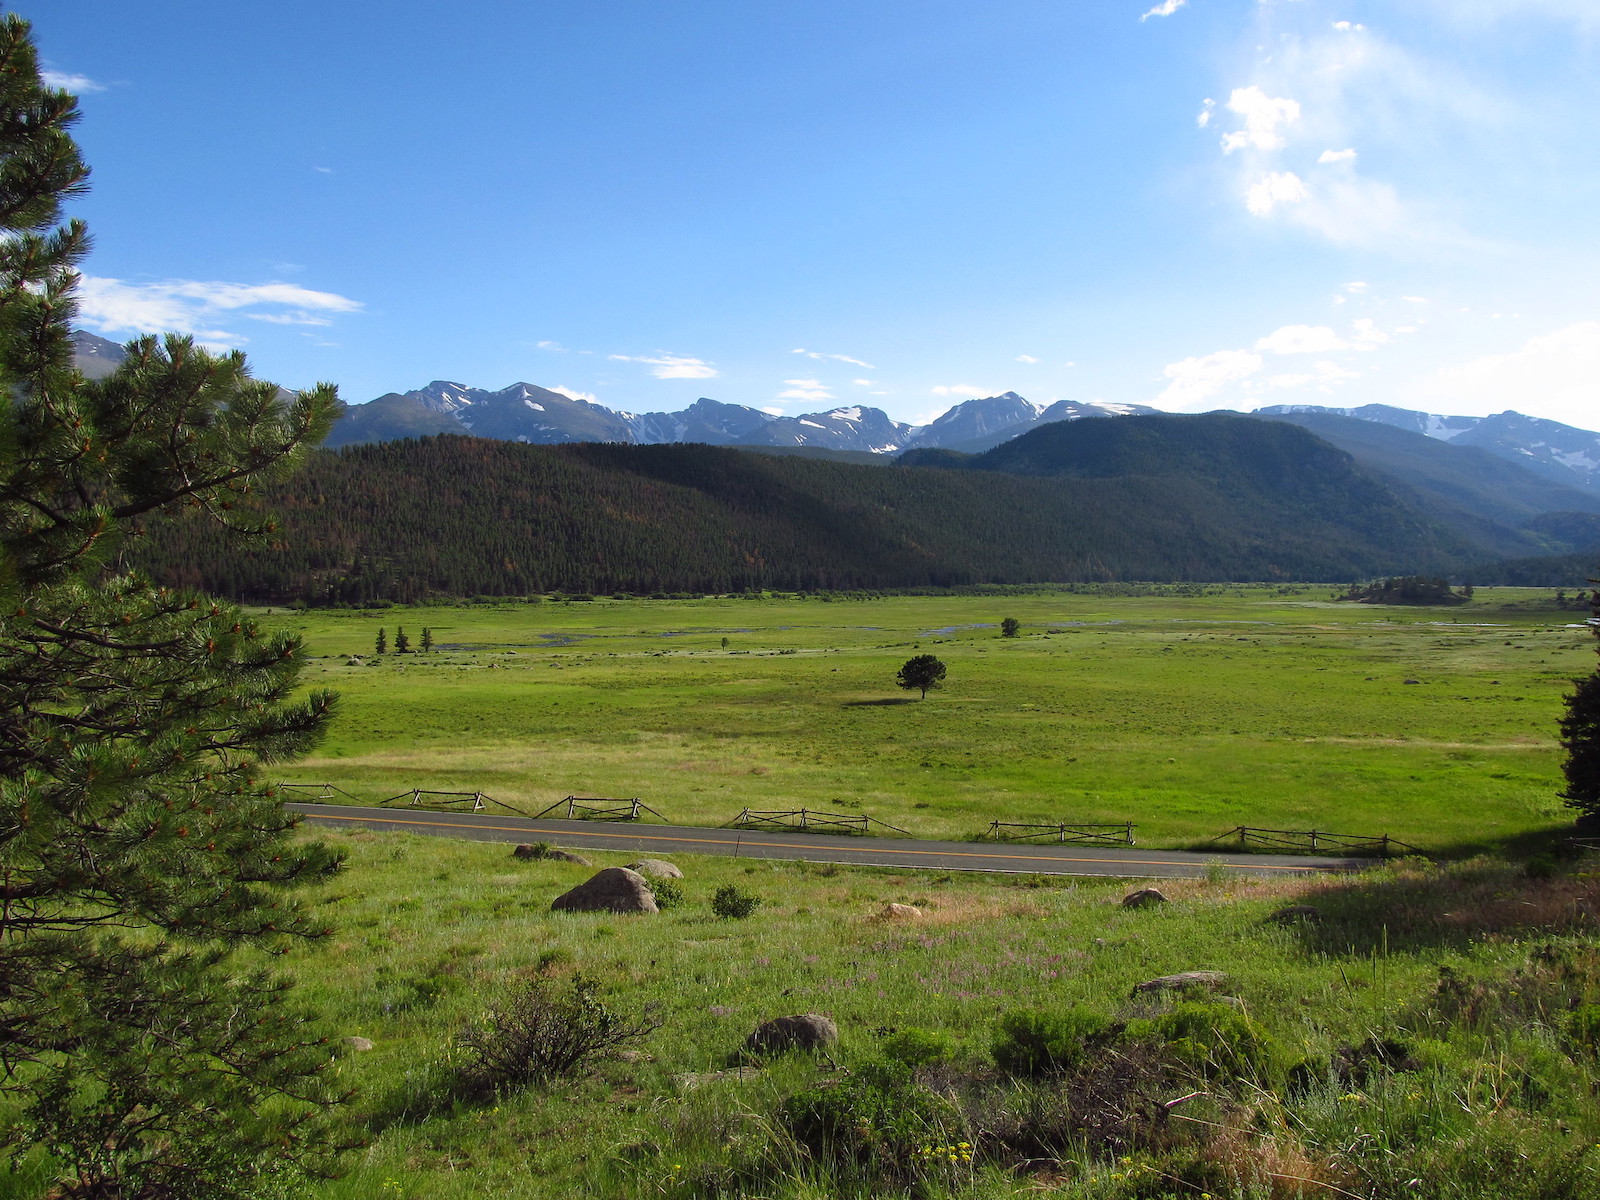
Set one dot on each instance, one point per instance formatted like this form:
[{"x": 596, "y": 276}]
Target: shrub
[
  {"x": 542, "y": 1032},
  {"x": 1583, "y": 1029},
  {"x": 877, "y": 1127},
  {"x": 918, "y": 1047},
  {"x": 1032, "y": 1042},
  {"x": 730, "y": 901},
  {"x": 1217, "y": 1040},
  {"x": 668, "y": 893}
]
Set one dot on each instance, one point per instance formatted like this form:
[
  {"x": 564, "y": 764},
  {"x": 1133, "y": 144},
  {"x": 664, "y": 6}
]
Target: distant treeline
[{"x": 454, "y": 516}]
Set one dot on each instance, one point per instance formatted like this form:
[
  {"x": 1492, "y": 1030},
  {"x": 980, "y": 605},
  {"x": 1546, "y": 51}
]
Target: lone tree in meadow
[
  {"x": 427, "y": 639},
  {"x": 402, "y": 644},
  {"x": 924, "y": 672},
  {"x": 1580, "y": 738},
  {"x": 140, "y": 842},
  {"x": 1010, "y": 627}
]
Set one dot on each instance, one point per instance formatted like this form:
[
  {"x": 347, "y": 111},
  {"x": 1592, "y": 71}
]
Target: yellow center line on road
[{"x": 655, "y": 837}]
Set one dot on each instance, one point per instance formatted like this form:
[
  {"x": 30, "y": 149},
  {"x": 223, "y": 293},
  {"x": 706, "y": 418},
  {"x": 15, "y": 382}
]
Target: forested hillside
[{"x": 464, "y": 516}]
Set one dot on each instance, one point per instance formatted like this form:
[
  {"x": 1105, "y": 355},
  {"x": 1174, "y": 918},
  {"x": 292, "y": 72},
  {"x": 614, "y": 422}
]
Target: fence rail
[
  {"x": 810, "y": 820},
  {"x": 1303, "y": 841},
  {"x": 471, "y": 801},
  {"x": 1082, "y": 835},
  {"x": 323, "y": 790},
  {"x": 599, "y": 808}
]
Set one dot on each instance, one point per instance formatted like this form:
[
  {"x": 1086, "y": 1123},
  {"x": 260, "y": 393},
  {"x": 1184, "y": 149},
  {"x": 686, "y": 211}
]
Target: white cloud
[
  {"x": 574, "y": 394},
  {"x": 1263, "y": 116},
  {"x": 1366, "y": 333},
  {"x": 1355, "y": 286},
  {"x": 865, "y": 382},
  {"x": 192, "y": 306},
  {"x": 772, "y": 410},
  {"x": 844, "y": 358},
  {"x": 1302, "y": 339},
  {"x": 1278, "y": 187},
  {"x": 548, "y": 345},
  {"x": 1165, "y": 9},
  {"x": 1415, "y": 299},
  {"x": 1027, "y": 358},
  {"x": 806, "y": 389},
  {"x": 68, "y": 82},
  {"x": 1195, "y": 380},
  {"x": 1337, "y": 156},
  {"x": 971, "y": 391},
  {"x": 1324, "y": 376},
  {"x": 323, "y": 170},
  {"x": 1203, "y": 117},
  {"x": 672, "y": 366},
  {"x": 1349, "y": 27},
  {"x": 1553, "y": 373}
]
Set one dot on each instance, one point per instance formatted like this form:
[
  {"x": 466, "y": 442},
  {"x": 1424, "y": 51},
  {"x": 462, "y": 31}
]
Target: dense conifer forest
[{"x": 456, "y": 516}]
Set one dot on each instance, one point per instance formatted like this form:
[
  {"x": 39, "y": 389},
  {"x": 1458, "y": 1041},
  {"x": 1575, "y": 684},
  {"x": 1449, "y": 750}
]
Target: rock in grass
[
  {"x": 804, "y": 1031},
  {"x": 1296, "y": 912},
  {"x": 538, "y": 851},
  {"x": 1143, "y": 898},
  {"x": 1183, "y": 981},
  {"x": 900, "y": 912},
  {"x": 358, "y": 1043},
  {"x": 614, "y": 890},
  {"x": 656, "y": 868}
]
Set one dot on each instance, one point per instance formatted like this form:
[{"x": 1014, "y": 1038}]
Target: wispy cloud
[
  {"x": 1302, "y": 339},
  {"x": 1336, "y": 156},
  {"x": 806, "y": 389},
  {"x": 195, "y": 307},
  {"x": 971, "y": 391},
  {"x": 1027, "y": 358},
  {"x": 1165, "y": 9},
  {"x": 1558, "y": 367},
  {"x": 549, "y": 345},
  {"x": 1274, "y": 189},
  {"x": 672, "y": 366},
  {"x": 844, "y": 358},
  {"x": 575, "y": 394},
  {"x": 68, "y": 82}
]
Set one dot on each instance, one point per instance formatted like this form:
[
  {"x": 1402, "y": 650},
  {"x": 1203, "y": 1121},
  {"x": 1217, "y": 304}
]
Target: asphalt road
[{"x": 663, "y": 840}]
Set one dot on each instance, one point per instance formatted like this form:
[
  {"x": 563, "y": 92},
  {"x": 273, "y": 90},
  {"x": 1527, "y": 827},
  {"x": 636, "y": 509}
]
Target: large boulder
[
  {"x": 656, "y": 868},
  {"x": 804, "y": 1031},
  {"x": 614, "y": 890}
]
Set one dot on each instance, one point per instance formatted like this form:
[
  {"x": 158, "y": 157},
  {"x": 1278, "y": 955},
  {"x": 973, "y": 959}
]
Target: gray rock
[
  {"x": 900, "y": 912},
  {"x": 549, "y": 853},
  {"x": 656, "y": 867},
  {"x": 1296, "y": 912},
  {"x": 358, "y": 1043},
  {"x": 1143, "y": 898},
  {"x": 1183, "y": 981},
  {"x": 805, "y": 1031},
  {"x": 614, "y": 890}
]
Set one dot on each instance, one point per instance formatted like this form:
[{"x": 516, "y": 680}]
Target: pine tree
[
  {"x": 402, "y": 644},
  {"x": 427, "y": 639},
  {"x": 381, "y": 646},
  {"x": 138, "y": 841},
  {"x": 921, "y": 671},
  {"x": 1580, "y": 738}
]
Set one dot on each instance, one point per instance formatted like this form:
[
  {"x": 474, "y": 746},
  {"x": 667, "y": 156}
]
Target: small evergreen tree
[
  {"x": 1580, "y": 738},
  {"x": 381, "y": 646},
  {"x": 1010, "y": 627},
  {"x": 427, "y": 639},
  {"x": 402, "y": 644},
  {"x": 923, "y": 671}
]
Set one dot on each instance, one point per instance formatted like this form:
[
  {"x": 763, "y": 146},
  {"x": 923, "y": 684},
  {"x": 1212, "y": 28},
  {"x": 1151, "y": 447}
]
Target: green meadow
[{"x": 1186, "y": 714}]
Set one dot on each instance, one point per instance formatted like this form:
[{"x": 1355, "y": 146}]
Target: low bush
[
  {"x": 918, "y": 1047},
  {"x": 1034, "y": 1043},
  {"x": 668, "y": 893},
  {"x": 1216, "y": 1040},
  {"x": 542, "y": 1032},
  {"x": 732, "y": 902}
]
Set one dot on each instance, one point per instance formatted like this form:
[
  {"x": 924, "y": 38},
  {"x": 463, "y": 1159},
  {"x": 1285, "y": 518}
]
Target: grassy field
[
  {"x": 1471, "y": 970},
  {"x": 1187, "y": 715}
]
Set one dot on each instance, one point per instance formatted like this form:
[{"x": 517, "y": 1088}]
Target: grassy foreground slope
[
  {"x": 1185, "y": 714},
  {"x": 1467, "y": 979}
]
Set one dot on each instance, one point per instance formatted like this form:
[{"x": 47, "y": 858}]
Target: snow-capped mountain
[{"x": 1557, "y": 452}]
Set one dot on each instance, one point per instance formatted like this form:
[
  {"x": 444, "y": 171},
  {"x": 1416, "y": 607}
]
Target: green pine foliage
[
  {"x": 1580, "y": 738},
  {"x": 138, "y": 841},
  {"x": 454, "y": 516}
]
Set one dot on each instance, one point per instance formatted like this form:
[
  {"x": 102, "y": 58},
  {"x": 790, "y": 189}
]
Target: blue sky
[{"x": 794, "y": 204}]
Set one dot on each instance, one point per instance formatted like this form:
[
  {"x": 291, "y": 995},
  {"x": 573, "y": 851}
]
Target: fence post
[
  {"x": 1313, "y": 839},
  {"x": 1241, "y": 837},
  {"x": 802, "y": 818}
]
